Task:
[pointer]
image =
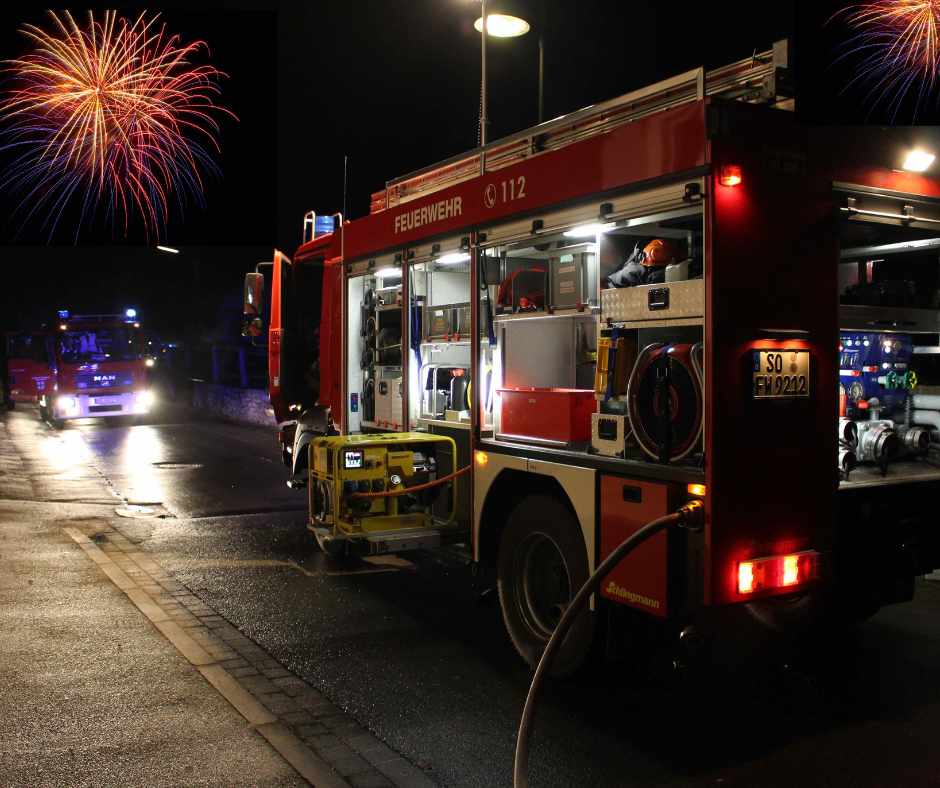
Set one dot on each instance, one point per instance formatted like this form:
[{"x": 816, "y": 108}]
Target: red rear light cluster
[
  {"x": 730, "y": 175},
  {"x": 776, "y": 572}
]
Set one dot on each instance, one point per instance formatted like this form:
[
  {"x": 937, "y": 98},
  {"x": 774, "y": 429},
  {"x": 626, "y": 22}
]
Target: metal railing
[{"x": 755, "y": 80}]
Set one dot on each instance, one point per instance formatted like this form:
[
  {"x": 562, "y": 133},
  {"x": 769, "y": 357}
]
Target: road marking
[{"x": 270, "y": 563}]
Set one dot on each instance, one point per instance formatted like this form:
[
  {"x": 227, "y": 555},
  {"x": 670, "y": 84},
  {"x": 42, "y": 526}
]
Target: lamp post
[{"x": 500, "y": 25}]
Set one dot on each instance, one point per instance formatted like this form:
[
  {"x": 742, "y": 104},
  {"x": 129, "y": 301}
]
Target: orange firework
[
  {"x": 900, "y": 44},
  {"x": 111, "y": 116}
]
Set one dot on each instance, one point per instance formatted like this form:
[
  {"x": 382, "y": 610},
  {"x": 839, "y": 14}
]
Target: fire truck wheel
[{"x": 541, "y": 565}]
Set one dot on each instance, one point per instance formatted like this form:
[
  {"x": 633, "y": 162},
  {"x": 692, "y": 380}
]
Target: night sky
[{"x": 393, "y": 85}]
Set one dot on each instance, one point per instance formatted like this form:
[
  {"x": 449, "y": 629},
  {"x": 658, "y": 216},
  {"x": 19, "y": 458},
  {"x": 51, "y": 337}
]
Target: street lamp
[
  {"x": 503, "y": 25},
  {"x": 500, "y": 24}
]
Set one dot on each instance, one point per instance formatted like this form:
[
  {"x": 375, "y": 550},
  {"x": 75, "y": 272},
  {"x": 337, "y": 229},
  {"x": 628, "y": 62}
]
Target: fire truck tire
[{"x": 542, "y": 563}]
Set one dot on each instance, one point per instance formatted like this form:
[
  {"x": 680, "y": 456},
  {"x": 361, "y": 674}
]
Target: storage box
[
  {"x": 388, "y": 401},
  {"x": 439, "y": 321},
  {"x": 569, "y": 280},
  {"x": 667, "y": 301},
  {"x": 462, "y": 320},
  {"x": 446, "y": 320},
  {"x": 558, "y": 415}
]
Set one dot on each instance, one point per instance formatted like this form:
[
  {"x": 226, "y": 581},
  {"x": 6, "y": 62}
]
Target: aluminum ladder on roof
[{"x": 757, "y": 79}]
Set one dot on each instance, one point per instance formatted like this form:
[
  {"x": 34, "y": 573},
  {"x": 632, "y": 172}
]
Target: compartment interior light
[
  {"x": 918, "y": 160},
  {"x": 388, "y": 273},
  {"x": 730, "y": 175},
  {"x": 453, "y": 257},
  {"x": 481, "y": 458},
  {"x": 697, "y": 489},
  {"x": 588, "y": 230}
]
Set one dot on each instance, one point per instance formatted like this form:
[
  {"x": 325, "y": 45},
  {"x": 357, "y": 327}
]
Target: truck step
[{"x": 400, "y": 542}]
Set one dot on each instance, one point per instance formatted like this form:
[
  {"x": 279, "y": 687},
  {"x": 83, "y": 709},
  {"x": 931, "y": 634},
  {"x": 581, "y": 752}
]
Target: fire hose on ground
[{"x": 690, "y": 516}]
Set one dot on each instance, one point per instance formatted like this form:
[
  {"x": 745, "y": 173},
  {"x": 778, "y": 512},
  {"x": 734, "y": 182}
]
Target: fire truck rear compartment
[{"x": 889, "y": 341}]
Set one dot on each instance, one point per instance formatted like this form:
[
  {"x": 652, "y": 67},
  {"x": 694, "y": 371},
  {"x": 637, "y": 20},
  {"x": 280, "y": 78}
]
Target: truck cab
[{"x": 98, "y": 369}]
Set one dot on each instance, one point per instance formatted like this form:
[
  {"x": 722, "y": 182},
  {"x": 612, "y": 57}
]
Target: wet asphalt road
[{"x": 418, "y": 655}]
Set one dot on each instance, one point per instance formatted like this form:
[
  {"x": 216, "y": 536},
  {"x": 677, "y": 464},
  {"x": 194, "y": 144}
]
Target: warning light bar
[{"x": 776, "y": 572}]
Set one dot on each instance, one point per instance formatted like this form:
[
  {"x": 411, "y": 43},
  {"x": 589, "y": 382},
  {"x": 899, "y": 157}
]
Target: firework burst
[
  {"x": 112, "y": 118},
  {"x": 899, "y": 41}
]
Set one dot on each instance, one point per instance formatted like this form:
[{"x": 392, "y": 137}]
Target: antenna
[{"x": 345, "y": 182}]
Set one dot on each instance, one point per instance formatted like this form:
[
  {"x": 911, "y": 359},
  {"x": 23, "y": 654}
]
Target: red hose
[{"x": 406, "y": 490}]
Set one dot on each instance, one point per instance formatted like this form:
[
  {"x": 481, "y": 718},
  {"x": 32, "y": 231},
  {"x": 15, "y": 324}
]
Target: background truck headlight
[
  {"x": 145, "y": 401},
  {"x": 66, "y": 405}
]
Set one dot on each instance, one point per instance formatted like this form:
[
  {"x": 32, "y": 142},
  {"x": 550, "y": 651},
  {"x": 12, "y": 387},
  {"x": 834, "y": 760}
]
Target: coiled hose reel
[{"x": 665, "y": 400}]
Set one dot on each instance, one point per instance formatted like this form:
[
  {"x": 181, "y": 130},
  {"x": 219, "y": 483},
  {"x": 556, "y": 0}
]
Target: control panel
[{"x": 875, "y": 366}]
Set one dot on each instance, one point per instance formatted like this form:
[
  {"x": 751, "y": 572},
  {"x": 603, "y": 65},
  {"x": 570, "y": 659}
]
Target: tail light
[
  {"x": 777, "y": 572},
  {"x": 730, "y": 175}
]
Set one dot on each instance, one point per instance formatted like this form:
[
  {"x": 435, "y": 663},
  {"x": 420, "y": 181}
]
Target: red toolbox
[{"x": 562, "y": 415}]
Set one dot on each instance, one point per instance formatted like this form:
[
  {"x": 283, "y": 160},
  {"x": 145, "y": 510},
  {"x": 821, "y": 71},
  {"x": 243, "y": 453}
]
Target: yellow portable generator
[{"x": 382, "y": 493}]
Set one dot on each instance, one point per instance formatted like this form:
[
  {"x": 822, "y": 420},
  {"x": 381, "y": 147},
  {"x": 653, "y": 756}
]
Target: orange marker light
[
  {"x": 481, "y": 458},
  {"x": 696, "y": 489},
  {"x": 730, "y": 175},
  {"x": 745, "y": 577},
  {"x": 791, "y": 570}
]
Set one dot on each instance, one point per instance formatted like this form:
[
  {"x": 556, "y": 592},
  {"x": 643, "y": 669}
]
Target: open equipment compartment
[
  {"x": 437, "y": 348},
  {"x": 889, "y": 338},
  {"x": 580, "y": 320},
  {"x": 374, "y": 346},
  {"x": 538, "y": 305}
]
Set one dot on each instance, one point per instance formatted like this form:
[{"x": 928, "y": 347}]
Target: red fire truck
[
  {"x": 680, "y": 293},
  {"x": 85, "y": 366},
  {"x": 27, "y": 370}
]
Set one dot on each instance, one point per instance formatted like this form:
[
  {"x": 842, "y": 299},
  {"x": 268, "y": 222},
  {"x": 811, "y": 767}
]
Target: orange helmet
[{"x": 659, "y": 252}]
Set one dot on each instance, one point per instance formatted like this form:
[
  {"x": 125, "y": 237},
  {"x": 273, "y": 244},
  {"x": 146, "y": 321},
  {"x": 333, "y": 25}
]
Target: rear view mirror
[
  {"x": 252, "y": 324},
  {"x": 254, "y": 294}
]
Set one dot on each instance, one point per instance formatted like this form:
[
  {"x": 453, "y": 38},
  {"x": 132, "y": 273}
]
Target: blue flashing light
[
  {"x": 64, "y": 314},
  {"x": 130, "y": 313},
  {"x": 323, "y": 225}
]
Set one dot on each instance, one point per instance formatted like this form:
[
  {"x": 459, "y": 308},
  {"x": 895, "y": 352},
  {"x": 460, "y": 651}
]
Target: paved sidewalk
[
  {"x": 92, "y": 693},
  {"x": 116, "y": 674}
]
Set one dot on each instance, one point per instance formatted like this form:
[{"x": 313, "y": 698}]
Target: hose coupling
[{"x": 692, "y": 515}]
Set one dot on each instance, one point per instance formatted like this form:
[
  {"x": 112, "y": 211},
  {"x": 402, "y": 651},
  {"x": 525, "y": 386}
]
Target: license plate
[
  {"x": 781, "y": 374},
  {"x": 104, "y": 400}
]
